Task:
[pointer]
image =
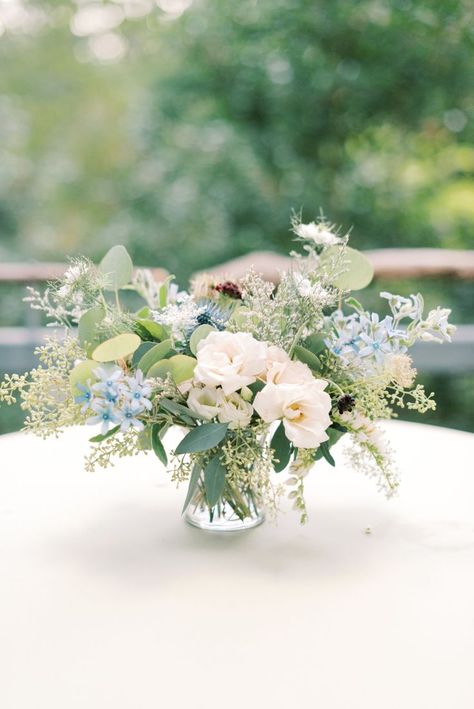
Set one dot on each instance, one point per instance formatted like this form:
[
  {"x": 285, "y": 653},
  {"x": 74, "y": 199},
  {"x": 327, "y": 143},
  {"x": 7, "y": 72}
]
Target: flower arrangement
[{"x": 262, "y": 380}]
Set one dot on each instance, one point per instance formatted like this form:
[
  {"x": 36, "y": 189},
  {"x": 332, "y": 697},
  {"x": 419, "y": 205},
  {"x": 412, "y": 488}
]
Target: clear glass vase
[{"x": 237, "y": 511}]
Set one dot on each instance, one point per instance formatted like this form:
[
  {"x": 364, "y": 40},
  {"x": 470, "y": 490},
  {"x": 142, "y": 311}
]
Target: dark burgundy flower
[
  {"x": 345, "y": 403},
  {"x": 230, "y": 289}
]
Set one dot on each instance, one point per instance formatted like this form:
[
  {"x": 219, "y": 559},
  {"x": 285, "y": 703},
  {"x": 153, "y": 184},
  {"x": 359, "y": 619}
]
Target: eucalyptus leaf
[
  {"x": 82, "y": 372},
  {"x": 203, "y": 437},
  {"x": 87, "y": 328},
  {"x": 281, "y": 448},
  {"x": 117, "y": 266},
  {"x": 117, "y": 347},
  {"x": 357, "y": 269},
  {"x": 308, "y": 358},
  {"x": 160, "y": 369},
  {"x": 182, "y": 367},
  {"x": 193, "y": 481},
  {"x": 214, "y": 480},
  {"x": 156, "y": 443},
  {"x": 154, "y": 355},
  {"x": 200, "y": 333}
]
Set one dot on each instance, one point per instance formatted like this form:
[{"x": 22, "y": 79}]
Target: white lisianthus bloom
[
  {"x": 205, "y": 401},
  {"x": 289, "y": 372},
  {"x": 230, "y": 360},
  {"x": 319, "y": 234},
  {"x": 235, "y": 411},
  {"x": 304, "y": 409}
]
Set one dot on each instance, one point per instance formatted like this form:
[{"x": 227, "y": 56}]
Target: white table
[{"x": 109, "y": 601}]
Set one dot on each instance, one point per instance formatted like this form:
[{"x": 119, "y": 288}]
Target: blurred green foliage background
[{"x": 188, "y": 131}]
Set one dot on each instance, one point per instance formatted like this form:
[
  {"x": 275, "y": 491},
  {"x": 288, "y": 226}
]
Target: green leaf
[
  {"x": 324, "y": 448},
  {"x": 182, "y": 367},
  {"x": 154, "y": 355},
  {"x": 138, "y": 354},
  {"x": 193, "y": 481},
  {"x": 281, "y": 448},
  {"x": 178, "y": 409},
  {"x": 157, "y": 331},
  {"x": 103, "y": 436},
  {"x": 214, "y": 480},
  {"x": 358, "y": 271},
  {"x": 256, "y": 386},
  {"x": 156, "y": 443},
  {"x": 118, "y": 267},
  {"x": 163, "y": 291},
  {"x": 81, "y": 373},
  {"x": 160, "y": 369},
  {"x": 353, "y": 303},
  {"x": 117, "y": 347},
  {"x": 200, "y": 333},
  {"x": 202, "y": 438},
  {"x": 143, "y": 312},
  {"x": 87, "y": 328},
  {"x": 308, "y": 358},
  {"x": 335, "y": 432},
  {"x": 315, "y": 344}
]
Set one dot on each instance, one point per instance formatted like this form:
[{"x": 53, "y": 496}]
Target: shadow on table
[{"x": 135, "y": 544}]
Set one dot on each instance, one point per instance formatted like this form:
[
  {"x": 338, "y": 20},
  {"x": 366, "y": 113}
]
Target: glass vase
[{"x": 236, "y": 511}]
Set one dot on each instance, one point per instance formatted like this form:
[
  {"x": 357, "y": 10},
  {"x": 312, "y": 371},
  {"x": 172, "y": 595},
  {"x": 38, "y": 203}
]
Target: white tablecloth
[{"x": 108, "y": 600}]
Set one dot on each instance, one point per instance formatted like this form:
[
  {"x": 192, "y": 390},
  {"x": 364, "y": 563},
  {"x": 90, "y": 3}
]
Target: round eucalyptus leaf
[
  {"x": 182, "y": 367},
  {"x": 118, "y": 267},
  {"x": 160, "y": 369},
  {"x": 357, "y": 269},
  {"x": 87, "y": 328},
  {"x": 117, "y": 347},
  {"x": 81, "y": 373},
  {"x": 155, "y": 354},
  {"x": 199, "y": 334}
]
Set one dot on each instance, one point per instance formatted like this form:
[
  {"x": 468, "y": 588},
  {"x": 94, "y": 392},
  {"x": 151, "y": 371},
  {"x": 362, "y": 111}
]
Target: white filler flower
[
  {"x": 319, "y": 234},
  {"x": 304, "y": 409},
  {"x": 230, "y": 360}
]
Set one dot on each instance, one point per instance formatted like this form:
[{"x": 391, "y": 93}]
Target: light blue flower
[
  {"x": 86, "y": 397},
  {"x": 106, "y": 415},
  {"x": 139, "y": 389},
  {"x": 109, "y": 385},
  {"x": 128, "y": 416}
]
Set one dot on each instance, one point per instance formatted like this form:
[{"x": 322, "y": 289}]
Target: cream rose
[
  {"x": 230, "y": 360},
  {"x": 235, "y": 411},
  {"x": 304, "y": 409},
  {"x": 205, "y": 402}
]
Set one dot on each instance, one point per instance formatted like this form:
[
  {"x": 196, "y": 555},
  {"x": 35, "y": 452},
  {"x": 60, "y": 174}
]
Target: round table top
[{"x": 108, "y": 600}]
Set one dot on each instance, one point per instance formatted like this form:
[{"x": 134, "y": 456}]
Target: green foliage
[
  {"x": 214, "y": 481},
  {"x": 202, "y": 438},
  {"x": 306, "y": 356},
  {"x": 193, "y": 482},
  {"x": 157, "y": 445},
  {"x": 281, "y": 447},
  {"x": 117, "y": 266},
  {"x": 357, "y": 270},
  {"x": 154, "y": 355},
  {"x": 87, "y": 328},
  {"x": 116, "y": 347}
]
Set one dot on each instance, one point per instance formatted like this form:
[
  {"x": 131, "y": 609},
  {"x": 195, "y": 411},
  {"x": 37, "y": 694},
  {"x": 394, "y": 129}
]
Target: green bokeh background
[{"x": 188, "y": 131}]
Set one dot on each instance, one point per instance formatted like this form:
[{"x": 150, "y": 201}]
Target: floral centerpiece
[{"x": 262, "y": 380}]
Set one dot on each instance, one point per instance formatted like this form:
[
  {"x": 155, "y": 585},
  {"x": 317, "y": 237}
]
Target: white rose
[
  {"x": 205, "y": 402},
  {"x": 230, "y": 360},
  {"x": 304, "y": 409},
  {"x": 235, "y": 411}
]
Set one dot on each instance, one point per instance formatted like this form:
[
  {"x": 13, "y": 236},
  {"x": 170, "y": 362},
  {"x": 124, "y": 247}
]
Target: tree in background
[{"x": 190, "y": 132}]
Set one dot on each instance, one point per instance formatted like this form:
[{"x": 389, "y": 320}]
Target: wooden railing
[{"x": 16, "y": 344}]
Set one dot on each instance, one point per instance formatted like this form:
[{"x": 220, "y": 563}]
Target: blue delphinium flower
[
  {"x": 106, "y": 415},
  {"x": 86, "y": 397}
]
